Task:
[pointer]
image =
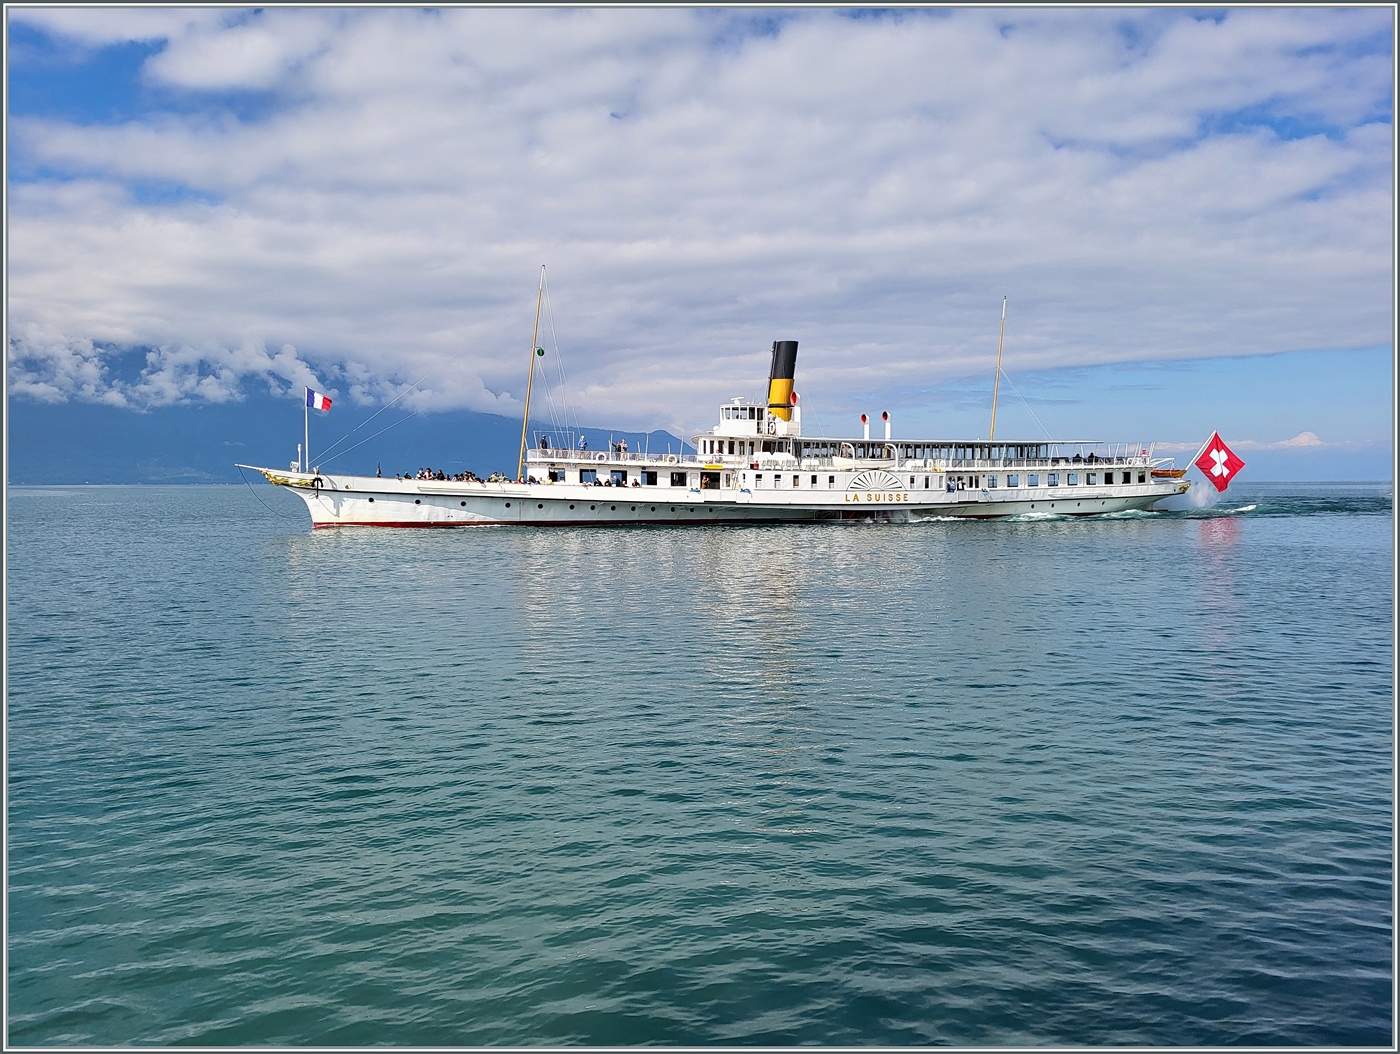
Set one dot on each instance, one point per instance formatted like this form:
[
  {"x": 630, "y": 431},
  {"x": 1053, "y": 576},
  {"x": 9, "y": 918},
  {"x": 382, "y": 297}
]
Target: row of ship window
[
  {"x": 1052, "y": 479},
  {"x": 714, "y": 448},
  {"x": 619, "y": 478},
  {"x": 872, "y": 448}
]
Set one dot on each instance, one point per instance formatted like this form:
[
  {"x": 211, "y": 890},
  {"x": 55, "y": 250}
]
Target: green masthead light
[{"x": 539, "y": 352}]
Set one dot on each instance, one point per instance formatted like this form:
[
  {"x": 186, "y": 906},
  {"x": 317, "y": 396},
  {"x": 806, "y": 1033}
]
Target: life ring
[
  {"x": 600, "y": 456},
  {"x": 670, "y": 459}
]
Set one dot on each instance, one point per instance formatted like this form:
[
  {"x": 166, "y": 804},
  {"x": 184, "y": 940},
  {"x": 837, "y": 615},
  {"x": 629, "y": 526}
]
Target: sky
[{"x": 1190, "y": 213}]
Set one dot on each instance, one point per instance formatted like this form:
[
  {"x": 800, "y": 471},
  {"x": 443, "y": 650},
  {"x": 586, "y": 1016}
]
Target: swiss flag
[{"x": 1218, "y": 462}]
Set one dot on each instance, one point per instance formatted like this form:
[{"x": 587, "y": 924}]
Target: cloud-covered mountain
[{"x": 200, "y": 442}]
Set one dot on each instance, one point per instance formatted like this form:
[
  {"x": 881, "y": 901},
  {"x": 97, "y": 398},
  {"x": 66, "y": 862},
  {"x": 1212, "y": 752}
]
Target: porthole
[
  {"x": 371, "y": 499},
  {"x": 464, "y": 504},
  {"x": 592, "y": 507},
  {"x": 634, "y": 508},
  {"x": 571, "y": 506},
  {"x": 540, "y": 505},
  {"x": 507, "y": 504},
  {"x": 613, "y": 507},
  {"x": 653, "y": 508},
  {"x": 418, "y": 501}
]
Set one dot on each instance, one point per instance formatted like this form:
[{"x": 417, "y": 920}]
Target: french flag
[{"x": 317, "y": 401}]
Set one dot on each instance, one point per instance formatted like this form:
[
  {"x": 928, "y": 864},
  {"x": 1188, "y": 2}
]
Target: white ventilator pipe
[
  {"x": 885, "y": 416},
  {"x": 865, "y": 426}
]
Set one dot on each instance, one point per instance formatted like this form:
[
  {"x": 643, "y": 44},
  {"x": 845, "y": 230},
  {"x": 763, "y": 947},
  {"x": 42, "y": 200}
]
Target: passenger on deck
[{"x": 583, "y": 442}]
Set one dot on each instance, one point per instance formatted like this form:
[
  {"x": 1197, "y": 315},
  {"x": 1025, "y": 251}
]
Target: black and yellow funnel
[{"x": 780, "y": 378}]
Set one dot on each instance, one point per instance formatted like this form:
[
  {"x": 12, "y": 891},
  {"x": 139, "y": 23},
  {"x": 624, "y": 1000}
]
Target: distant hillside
[{"x": 86, "y": 443}]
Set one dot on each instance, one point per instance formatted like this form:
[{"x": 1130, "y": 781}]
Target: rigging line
[
  {"x": 1027, "y": 404},
  {"x": 548, "y": 408},
  {"x": 549, "y": 388},
  {"x": 558, "y": 420},
  {"x": 559, "y": 365},
  {"x": 255, "y": 494},
  {"x": 553, "y": 410},
  {"x": 551, "y": 402},
  {"x": 544, "y": 369},
  {"x": 558, "y": 407},
  {"x": 376, "y": 435},
  {"x": 372, "y": 416}
]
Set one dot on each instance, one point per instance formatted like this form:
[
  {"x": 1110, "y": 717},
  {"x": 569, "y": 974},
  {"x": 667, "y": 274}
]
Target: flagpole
[
  {"x": 529, "y": 383},
  {"x": 1213, "y": 435},
  {"x": 306, "y": 428},
  {"x": 996, "y": 384}
]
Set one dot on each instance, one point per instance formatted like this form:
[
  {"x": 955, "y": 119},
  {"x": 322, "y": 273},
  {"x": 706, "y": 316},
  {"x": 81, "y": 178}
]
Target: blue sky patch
[
  {"x": 59, "y": 80},
  {"x": 56, "y": 79}
]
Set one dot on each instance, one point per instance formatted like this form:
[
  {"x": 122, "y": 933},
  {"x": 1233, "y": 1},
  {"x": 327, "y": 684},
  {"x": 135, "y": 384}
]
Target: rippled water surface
[{"x": 1106, "y": 781}]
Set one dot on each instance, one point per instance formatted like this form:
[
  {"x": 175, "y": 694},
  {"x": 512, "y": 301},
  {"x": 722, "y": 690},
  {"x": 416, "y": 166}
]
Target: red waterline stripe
[{"x": 555, "y": 523}]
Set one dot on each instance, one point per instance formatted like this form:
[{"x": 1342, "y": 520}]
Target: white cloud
[
  {"x": 1303, "y": 440},
  {"x": 102, "y": 25},
  {"x": 54, "y": 367},
  {"x": 250, "y": 56},
  {"x": 870, "y": 187}
]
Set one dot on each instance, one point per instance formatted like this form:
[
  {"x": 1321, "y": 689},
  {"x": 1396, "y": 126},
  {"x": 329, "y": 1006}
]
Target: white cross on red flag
[{"x": 1218, "y": 462}]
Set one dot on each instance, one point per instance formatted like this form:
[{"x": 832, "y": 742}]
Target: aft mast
[
  {"x": 529, "y": 383},
  {"x": 996, "y": 384}
]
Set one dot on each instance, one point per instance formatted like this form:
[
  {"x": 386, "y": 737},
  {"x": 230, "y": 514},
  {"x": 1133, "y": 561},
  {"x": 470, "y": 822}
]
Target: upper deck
[
  {"x": 750, "y": 436},
  {"x": 818, "y": 452}
]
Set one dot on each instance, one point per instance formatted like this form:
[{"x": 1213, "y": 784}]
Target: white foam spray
[{"x": 1202, "y": 495}]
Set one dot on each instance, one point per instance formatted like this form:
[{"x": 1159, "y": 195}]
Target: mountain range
[{"x": 75, "y": 442}]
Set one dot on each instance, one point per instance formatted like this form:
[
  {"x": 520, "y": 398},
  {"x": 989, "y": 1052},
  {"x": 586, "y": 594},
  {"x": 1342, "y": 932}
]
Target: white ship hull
[{"x": 369, "y": 501}]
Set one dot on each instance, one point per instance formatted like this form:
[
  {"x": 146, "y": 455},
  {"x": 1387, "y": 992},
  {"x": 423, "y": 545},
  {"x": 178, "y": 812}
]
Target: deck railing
[
  {"x": 585, "y": 456},
  {"x": 767, "y": 462}
]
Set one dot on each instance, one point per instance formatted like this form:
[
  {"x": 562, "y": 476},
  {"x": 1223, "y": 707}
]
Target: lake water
[{"x": 1108, "y": 781}]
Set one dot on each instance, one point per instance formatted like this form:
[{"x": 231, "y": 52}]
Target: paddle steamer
[{"x": 756, "y": 466}]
